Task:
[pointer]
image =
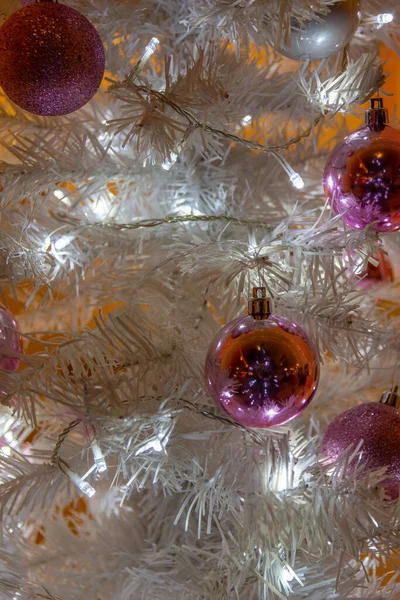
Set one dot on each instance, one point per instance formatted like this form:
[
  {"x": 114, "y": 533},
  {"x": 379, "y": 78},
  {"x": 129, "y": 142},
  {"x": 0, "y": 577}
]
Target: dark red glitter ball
[{"x": 51, "y": 59}]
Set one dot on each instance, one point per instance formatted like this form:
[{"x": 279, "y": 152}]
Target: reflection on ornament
[
  {"x": 51, "y": 59},
  {"x": 262, "y": 369},
  {"x": 362, "y": 175},
  {"x": 377, "y": 426},
  {"x": 320, "y": 39},
  {"x": 10, "y": 340}
]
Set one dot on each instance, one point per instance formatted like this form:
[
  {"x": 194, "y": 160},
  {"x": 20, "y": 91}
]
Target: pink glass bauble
[
  {"x": 51, "y": 59},
  {"x": 263, "y": 373},
  {"x": 378, "y": 425},
  {"x": 380, "y": 273},
  {"x": 9, "y": 340},
  {"x": 362, "y": 178}
]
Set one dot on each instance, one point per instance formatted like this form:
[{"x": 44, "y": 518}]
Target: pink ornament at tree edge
[
  {"x": 378, "y": 270},
  {"x": 262, "y": 372},
  {"x": 377, "y": 425},
  {"x": 375, "y": 274},
  {"x": 362, "y": 175},
  {"x": 9, "y": 340}
]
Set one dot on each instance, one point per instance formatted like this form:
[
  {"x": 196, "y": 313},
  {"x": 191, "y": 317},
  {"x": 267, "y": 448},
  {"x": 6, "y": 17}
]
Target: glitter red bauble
[
  {"x": 51, "y": 59},
  {"x": 262, "y": 373},
  {"x": 378, "y": 426},
  {"x": 362, "y": 178}
]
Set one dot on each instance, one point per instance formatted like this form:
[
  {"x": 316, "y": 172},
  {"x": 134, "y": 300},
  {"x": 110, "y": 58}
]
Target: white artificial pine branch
[
  {"x": 192, "y": 505},
  {"x": 194, "y": 103}
]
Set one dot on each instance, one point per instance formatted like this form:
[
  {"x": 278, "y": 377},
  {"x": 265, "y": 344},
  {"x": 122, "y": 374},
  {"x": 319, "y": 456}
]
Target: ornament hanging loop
[
  {"x": 391, "y": 397},
  {"x": 377, "y": 115},
  {"x": 259, "y": 305}
]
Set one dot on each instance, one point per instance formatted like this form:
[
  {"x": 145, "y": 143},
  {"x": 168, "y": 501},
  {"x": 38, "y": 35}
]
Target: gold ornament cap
[
  {"x": 391, "y": 397},
  {"x": 377, "y": 114},
  {"x": 259, "y": 305}
]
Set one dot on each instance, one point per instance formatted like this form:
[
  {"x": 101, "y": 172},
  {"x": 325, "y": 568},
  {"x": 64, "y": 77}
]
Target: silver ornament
[{"x": 321, "y": 39}]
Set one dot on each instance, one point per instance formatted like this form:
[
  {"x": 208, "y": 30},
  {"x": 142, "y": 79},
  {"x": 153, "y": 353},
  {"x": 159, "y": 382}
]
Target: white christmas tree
[{"x": 131, "y": 231}]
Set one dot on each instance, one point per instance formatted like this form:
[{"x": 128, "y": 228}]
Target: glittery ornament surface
[
  {"x": 378, "y": 425},
  {"x": 263, "y": 373},
  {"x": 51, "y": 59},
  {"x": 320, "y": 39},
  {"x": 362, "y": 178},
  {"x": 9, "y": 340}
]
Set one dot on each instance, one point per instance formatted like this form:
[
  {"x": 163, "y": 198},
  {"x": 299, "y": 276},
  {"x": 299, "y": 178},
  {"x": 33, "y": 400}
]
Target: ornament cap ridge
[
  {"x": 377, "y": 115},
  {"x": 391, "y": 397},
  {"x": 259, "y": 305}
]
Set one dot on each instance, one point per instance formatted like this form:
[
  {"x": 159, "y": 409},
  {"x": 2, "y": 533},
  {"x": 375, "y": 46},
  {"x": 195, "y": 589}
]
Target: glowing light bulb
[
  {"x": 169, "y": 162},
  {"x": 380, "y": 20},
  {"x": 81, "y": 484},
  {"x": 86, "y": 488},
  {"x": 287, "y": 574},
  {"x": 295, "y": 178},
  {"x": 333, "y": 99},
  {"x": 158, "y": 442},
  {"x": 297, "y": 181},
  {"x": 98, "y": 457},
  {"x": 63, "y": 242},
  {"x": 188, "y": 210},
  {"x": 60, "y": 195},
  {"x": 384, "y": 18},
  {"x": 149, "y": 50},
  {"x": 152, "y": 445},
  {"x": 101, "y": 207}
]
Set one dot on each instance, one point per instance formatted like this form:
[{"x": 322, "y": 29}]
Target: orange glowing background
[
  {"x": 391, "y": 90},
  {"x": 392, "y": 86}
]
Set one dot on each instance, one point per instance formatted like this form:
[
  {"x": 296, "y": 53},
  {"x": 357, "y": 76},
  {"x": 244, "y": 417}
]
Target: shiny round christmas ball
[
  {"x": 378, "y": 425},
  {"x": 9, "y": 340},
  {"x": 320, "y": 39},
  {"x": 381, "y": 271},
  {"x": 362, "y": 178},
  {"x": 262, "y": 373},
  {"x": 51, "y": 59}
]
